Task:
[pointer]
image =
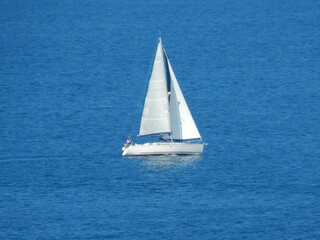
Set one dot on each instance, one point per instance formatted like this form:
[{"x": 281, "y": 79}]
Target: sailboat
[{"x": 166, "y": 115}]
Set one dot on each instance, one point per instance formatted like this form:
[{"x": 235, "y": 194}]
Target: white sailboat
[{"x": 165, "y": 114}]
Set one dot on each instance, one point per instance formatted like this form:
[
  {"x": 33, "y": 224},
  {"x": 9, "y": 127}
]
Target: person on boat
[{"x": 128, "y": 142}]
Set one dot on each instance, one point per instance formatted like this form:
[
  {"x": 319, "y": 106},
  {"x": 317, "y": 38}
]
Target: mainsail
[{"x": 156, "y": 118}]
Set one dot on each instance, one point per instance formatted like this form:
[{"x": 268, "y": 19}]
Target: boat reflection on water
[{"x": 168, "y": 161}]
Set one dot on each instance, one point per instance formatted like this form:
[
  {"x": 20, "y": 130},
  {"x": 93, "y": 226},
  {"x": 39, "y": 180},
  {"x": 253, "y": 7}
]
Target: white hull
[{"x": 162, "y": 148}]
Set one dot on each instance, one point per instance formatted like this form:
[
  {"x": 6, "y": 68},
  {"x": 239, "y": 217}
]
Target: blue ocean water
[{"x": 73, "y": 75}]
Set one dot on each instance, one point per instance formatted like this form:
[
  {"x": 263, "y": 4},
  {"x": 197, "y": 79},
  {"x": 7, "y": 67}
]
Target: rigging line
[{"x": 140, "y": 102}]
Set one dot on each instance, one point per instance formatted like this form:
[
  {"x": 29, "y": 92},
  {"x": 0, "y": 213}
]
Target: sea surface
[{"x": 73, "y": 77}]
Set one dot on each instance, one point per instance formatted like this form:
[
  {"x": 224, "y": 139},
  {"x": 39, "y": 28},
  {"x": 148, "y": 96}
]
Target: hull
[{"x": 160, "y": 148}]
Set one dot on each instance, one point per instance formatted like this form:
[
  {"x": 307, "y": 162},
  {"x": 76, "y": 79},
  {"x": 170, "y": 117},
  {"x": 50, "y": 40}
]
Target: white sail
[
  {"x": 183, "y": 126},
  {"x": 156, "y": 117}
]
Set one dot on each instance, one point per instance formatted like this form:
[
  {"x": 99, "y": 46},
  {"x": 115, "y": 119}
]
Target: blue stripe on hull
[{"x": 187, "y": 140}]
